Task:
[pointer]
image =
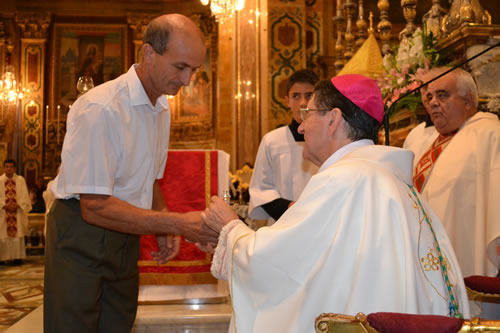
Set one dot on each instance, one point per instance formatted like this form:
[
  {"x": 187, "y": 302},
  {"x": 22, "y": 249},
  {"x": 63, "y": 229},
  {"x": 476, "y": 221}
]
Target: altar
[{"x": 191, "y": 177}]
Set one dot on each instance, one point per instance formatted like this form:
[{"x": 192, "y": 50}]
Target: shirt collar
[
  {"x": 138, "y": 95},
  {"x": 336, "y": 156}
]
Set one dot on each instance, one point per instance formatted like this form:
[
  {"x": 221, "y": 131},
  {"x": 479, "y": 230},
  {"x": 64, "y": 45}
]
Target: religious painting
[
  {"x": 193, "y": 106},
  {"x": 85, "y": 50},
  {"x": 193, "y": 102}
]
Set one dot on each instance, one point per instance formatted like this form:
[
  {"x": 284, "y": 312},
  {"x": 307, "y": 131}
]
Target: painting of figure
[{"x": 97, "y": 51}]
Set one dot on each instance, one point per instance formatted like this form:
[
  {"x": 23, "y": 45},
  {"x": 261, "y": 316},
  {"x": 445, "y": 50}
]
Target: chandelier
[
  {"x": 10, "y": 91},
  {"x": 224, "y": 9}
]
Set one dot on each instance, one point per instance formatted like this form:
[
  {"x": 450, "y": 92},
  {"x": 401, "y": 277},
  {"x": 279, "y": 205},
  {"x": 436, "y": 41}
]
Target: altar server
[{"x": 281, "y": 173}]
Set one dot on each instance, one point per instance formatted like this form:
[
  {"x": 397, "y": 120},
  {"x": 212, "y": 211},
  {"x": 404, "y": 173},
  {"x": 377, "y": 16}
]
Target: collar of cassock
[{"x": 294, "y": 128}]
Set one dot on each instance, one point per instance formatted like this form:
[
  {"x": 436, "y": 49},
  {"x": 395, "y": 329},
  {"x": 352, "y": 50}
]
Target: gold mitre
[{"x": 366, "y": 61}]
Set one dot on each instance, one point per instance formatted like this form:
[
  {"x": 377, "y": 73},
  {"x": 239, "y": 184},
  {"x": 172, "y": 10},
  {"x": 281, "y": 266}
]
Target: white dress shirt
[{"x": 116, "y": 143}]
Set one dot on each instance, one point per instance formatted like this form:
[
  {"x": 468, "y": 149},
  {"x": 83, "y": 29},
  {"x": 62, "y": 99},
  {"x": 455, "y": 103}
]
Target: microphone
[{"x": 386, "y": 114}]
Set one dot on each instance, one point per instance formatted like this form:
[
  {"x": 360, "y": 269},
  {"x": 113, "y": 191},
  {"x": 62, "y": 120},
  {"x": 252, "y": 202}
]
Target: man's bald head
[{"x": 159, "y": 31}]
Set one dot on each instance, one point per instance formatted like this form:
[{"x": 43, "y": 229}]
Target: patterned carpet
[{"x": 21, "y": 290}]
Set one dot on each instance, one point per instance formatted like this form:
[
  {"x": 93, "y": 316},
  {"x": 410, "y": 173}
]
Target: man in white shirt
[
  {"x": 457, "y": 169},
  {"x": 107, "y": 194},
  {"x": 280, "y": 173},
  {"x": 358, "y": 239}
]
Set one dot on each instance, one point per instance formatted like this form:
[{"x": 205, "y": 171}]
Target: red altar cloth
[{"x": 190, "y": 179}]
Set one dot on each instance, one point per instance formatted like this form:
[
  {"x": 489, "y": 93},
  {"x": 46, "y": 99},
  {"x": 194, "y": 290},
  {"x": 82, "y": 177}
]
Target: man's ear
[
  {"x": 287, "y": 100},
  {"x": 468, "y": 104},
  {"x": 335, "y": 119},
  {"x": 147, "y": 53}
]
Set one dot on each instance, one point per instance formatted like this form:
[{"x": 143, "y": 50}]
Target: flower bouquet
[{"x": 404, "y": 72}]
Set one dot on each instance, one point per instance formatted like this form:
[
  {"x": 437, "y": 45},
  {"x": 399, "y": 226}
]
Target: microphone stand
[{"x": 386, "y": 114}]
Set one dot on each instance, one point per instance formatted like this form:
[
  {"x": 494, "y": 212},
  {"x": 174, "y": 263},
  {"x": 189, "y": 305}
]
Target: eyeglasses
[{"x": 304, "y": 112}]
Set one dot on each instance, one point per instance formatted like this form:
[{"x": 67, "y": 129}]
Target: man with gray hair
[
  {"x": 107, "y": 192},
  {"x": 457, "y": 168}
]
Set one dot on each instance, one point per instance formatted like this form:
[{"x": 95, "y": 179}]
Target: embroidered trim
[
  {"x": 218, "y": 267},
  {"x": 454, "y": 308},
  {"x": 430, "y": 261},
  {"x": 232, "y": 274}
]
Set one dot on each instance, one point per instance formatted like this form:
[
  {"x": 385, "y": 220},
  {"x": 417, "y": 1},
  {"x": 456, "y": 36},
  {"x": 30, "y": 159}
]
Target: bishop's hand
[{"x": 218, "y": 214}]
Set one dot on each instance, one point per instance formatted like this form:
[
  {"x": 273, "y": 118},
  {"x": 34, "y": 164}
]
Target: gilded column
[
  {"x": 409, "y": 12},
  {"x": 349, "y": 7},
  {"x": 362, "y": 26},
  {"x": 33, "y": 27},
  {"x": 248, "y": 98},
  {"x": 339, "y": 20},
  {"x": 384, "y": 27}
]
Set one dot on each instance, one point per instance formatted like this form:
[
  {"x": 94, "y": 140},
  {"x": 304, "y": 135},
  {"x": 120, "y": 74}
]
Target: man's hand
[
  {"x": 168, "y": 248},
  {"x": 210, "y": 248},
  {"x": 218, "y": 214},
  {"x": 195, "y": 230}
]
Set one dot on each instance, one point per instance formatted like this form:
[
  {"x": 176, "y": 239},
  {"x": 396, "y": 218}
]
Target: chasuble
[
  {"x": 358, "y": 239},
  {"x": 463, "y": 189}
]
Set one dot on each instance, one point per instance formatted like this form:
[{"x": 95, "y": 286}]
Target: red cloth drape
[{"x": 190, "y": 179}]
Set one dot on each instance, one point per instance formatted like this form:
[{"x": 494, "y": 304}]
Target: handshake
[{"x": 202, "y": 228}]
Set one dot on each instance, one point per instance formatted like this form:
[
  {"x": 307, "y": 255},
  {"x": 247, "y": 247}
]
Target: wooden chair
[{"x": 386, "y": 322}]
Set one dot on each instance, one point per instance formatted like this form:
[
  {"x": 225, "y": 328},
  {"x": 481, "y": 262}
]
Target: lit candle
[
  {"x": 46, "y": 123},
  {"x": 58, "y": 115}
]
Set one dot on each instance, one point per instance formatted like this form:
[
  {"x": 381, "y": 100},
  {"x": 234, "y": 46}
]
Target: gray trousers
[{"x": 91, "y": 274}]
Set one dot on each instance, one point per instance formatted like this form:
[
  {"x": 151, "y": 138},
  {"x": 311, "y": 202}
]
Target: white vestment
[
  {"x": 279, "y": 172},
  {"x": 463, "y": 188},
  {"x": 13, "y": 247},
  {"x": 355, "y": 241}
]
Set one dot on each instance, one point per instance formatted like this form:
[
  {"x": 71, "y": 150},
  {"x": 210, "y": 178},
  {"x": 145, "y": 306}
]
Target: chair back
[{"x": 390, "y": 322}]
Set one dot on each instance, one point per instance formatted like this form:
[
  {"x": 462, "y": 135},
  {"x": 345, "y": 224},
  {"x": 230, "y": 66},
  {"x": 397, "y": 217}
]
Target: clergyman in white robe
[
  {"x": 13, "y": 247},
  {"x": 358, "y": 239},
  {"x": 355, "y": 241},
  {"x": 463, "y": 188}
]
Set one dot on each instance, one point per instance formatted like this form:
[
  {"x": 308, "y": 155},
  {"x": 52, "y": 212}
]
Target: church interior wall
[{"x": 251, "y": 55}]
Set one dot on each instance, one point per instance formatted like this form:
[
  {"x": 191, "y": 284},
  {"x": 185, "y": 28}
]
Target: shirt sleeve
[
  {"x": 276, "y": 208},
  {"x": 262, "y": 186},
  {"x": 91, "y": 150}
]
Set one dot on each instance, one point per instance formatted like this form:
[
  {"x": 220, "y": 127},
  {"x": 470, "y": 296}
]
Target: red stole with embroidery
[
  {"x": 11, "y": 216},
  {"x": 426, "y": 162}
]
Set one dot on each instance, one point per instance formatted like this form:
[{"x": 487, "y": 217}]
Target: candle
[
  {"x": 47, "y": 124},
  {"x": 58, "y": 115}
]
